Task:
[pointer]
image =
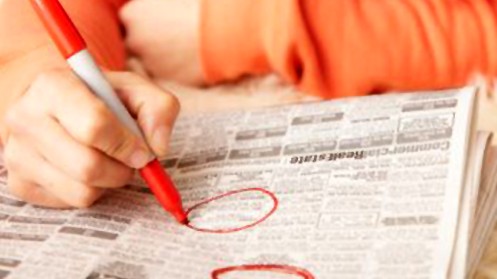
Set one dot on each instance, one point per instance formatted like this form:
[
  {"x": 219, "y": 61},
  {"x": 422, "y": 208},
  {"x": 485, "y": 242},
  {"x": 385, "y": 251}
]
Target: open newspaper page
[{"x": 364, "y": 187}]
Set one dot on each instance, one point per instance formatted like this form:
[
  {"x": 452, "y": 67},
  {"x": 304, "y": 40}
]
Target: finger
[
  {"x": 23, "y": 160},
  {"x": 86, "y": 118},
  {"x": 155, "y": 109},
  {"x": 32, "y": 193},
  {"x": 84, "y": 164}
]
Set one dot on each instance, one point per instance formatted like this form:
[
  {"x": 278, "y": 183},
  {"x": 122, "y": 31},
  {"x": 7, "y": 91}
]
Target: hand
[
  {"x": 164, "y": 35},
  {"x": 64, "y": 147}
]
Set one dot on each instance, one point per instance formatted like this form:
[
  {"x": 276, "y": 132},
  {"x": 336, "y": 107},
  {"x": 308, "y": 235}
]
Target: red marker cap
[{"x": 59, "y": 25}]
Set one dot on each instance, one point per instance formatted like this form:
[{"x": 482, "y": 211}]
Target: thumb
[{"x": 155, "y": 109}]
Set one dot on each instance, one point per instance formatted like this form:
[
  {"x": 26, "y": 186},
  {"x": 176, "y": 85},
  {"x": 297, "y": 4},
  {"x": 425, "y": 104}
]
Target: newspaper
[{"x": 370, "y": 187}]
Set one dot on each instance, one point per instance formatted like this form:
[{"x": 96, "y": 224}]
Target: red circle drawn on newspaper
[
  {"x": 274, "y": 268},
  {"x": 232, "y": 230}
]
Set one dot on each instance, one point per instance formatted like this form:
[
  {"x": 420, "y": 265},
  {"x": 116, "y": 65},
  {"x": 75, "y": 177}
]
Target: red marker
[{"x": 73, "y": 48}]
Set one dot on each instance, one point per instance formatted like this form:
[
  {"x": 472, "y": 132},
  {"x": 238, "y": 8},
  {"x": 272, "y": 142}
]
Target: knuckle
[
  {"x": 132, "y": 21},
  {"x": 11, "y": 159},
  {"x": 14, "y": 118},
  {"x": 133, "y": 38},
  {"x": 122, "y": 146},
  {"x": 172, "y": 103},
  {"x": 47, "y": 78},
  {"x": 127, "y": 13},
  {"x": 86, "y": 196},
  {"x": 94, "y": 124},
  {"x": 135, "y": 45},
  {"x": 89, "y": 169},
  {"x": 54, "y": 81},
  {"x": 130, "y": 77},
  {"x": 19, "y": 190},
  {"x": 19, "y": 120}
]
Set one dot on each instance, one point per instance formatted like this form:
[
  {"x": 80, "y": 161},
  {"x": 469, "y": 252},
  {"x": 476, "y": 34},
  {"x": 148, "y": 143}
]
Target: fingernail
[
  {"x": 160, "y": 140},
  {"x": 140, "y": 158}
]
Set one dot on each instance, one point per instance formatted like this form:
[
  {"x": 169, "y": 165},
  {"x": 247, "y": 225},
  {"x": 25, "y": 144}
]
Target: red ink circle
[
  {"x": 231, "y": 230},
  {"x": 276, "y": 268}
]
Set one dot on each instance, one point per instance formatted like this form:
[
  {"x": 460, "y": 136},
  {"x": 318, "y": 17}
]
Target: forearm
[{"x": 26, "y": 50}]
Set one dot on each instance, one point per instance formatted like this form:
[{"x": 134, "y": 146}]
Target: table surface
[{"x": 269, "y": 91}]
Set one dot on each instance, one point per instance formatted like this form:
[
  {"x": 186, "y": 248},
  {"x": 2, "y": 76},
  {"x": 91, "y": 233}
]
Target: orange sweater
[
  {"x": 327, "y": 47},
  {"x": 351, "y": 47}
]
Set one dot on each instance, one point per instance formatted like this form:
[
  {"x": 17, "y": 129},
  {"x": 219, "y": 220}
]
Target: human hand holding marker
[
  {"x": 73, "y": 48},
  {"x": 65, "y": 147}
]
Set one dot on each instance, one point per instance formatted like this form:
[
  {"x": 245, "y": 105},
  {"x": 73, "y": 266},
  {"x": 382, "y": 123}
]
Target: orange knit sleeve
[
  {"x": 338, "y": 48},
  {"x": 22, "y": 32}
]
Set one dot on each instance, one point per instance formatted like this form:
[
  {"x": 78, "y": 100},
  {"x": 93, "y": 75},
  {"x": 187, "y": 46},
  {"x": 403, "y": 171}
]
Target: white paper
[{"x": 365, "y": 187}]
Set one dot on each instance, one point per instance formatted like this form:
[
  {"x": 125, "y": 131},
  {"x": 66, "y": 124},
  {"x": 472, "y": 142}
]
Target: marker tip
[{"x": 181, "y": 217}]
